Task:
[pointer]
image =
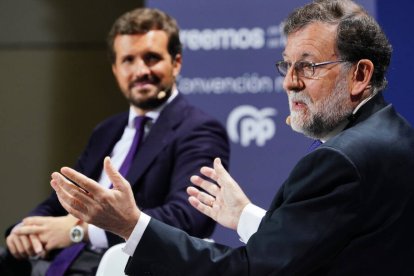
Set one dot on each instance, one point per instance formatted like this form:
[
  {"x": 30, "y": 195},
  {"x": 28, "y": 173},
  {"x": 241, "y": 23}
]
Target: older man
[{"x": 347, "y": 207}]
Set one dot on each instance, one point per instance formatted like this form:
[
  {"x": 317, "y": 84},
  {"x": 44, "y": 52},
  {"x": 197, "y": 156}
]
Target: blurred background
[{"x": 56, "y": 84}]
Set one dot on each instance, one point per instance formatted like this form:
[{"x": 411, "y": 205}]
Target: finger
[
  {"x": 202, "y": 197},
  {"x": 69, "y": 203},
  {"x": 83, "y": 181},
  {"x": 192, "y": 191},
  {"x": 35, "y": 220},
  {"x": 37, "y": 245},
  {"x": 211, "y": 188},
  {"x": 206, "y": 199},
  {"x": 117, "y": 180},
  {"x": 27, "y": 246},
  {"x": 71, "y": 190},
  {"x": 19, "y": 248},
  {"x": 28, "y": 230},
  {"x": 19, "y": 252},
  {"x": 76, "y": 208},
  {"x": 223, "y": 177},
  {"x": 197, "y": 204},
  {"x": 11, "y": 245},
  {"x": 209, "y": 172}
]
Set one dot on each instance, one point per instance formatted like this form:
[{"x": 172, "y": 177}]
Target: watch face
[{"x": 76, "y": 234}]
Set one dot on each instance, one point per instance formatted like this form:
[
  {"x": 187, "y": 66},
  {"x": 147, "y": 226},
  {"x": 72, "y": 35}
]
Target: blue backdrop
[
  {"x": 230, "y": 48},
  {"x": 397, "y": 20}
]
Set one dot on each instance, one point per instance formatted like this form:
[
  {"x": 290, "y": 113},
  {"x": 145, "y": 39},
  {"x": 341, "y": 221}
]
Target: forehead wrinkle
[{"x": 315, "y": 40}]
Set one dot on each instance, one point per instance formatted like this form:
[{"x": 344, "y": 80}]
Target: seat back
[{"x": 113, "y": 262}]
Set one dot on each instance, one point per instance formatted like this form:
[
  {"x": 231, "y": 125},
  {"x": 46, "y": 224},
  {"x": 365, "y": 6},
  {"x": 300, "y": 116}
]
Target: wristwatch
[{"x": 76, "y": 234}]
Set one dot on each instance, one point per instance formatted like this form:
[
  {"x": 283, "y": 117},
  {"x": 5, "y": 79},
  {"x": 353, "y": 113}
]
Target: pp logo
[{"x": 254, "y": 125}]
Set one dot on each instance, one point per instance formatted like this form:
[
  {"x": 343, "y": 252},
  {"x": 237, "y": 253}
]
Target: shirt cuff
[
  {"x": 249, "y": 221},
  {"x": 97, "y": 237},
  {"x": 136, "y": 235}
]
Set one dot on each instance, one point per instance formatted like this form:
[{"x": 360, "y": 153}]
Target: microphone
[
  {"x": 161, "y": 95},
  {"x": 288, "y": 120}
]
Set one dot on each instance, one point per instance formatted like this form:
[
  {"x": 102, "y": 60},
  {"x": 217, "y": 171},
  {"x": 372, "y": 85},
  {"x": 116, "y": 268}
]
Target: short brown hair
[{"x": 143, "y": 20}]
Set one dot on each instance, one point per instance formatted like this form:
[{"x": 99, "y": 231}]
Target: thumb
[
  {"x": 224, "y": 179},
  {"x": 118, "y": 181},
  {"x": 221, "y": 171}
]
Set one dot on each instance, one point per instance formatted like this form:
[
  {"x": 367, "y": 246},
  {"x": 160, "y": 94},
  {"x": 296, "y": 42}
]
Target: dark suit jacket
[
  {"x": 182, "y": 140},
  {"x": 347, "y": 208}
]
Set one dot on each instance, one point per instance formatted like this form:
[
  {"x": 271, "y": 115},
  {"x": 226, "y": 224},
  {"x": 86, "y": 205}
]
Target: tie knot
[
  {"x": 139, "y": 122},
  {"x": 315, "y": 144}
]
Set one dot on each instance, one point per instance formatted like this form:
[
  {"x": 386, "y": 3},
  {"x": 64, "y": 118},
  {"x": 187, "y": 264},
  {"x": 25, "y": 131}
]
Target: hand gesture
[
  {"x": 223, "y": 201},
  {"x": 113, "y": 209}
]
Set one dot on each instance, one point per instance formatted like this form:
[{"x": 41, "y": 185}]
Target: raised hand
[
  {"x": 113, "y": 209},
  {"x": 223, "y": 202}
]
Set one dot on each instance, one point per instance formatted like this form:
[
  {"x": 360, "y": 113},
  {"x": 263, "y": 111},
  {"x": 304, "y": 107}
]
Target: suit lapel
[
  {"x": 103, "y": 144},
  {"x": 160, "y": 135}
]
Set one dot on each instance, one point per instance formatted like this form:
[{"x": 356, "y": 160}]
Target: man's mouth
[
  {"x": 141, "y": 84},
  {"x": 298, "y": 105}
]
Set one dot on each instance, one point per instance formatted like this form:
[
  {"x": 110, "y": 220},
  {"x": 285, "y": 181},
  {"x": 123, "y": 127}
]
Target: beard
[
  {"x": 150, "y": 103},
  {"x": 324, "y": 116}
]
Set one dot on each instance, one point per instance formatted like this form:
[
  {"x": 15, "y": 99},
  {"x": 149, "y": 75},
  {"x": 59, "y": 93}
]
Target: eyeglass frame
[{"x": 313, "y": 65}]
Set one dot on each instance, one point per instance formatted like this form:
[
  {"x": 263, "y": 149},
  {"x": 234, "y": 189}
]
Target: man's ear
[
  {"x": 177, "y": 65},
  {"x": 361, "y": 77},
  {"x": 114, "y": 69}
]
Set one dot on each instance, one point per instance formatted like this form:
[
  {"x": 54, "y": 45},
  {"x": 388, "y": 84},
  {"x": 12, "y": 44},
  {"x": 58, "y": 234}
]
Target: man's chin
[
  {"x": 295, "y": 127},
  {"x": 298, "y": 125},
  {"x": 150, "y": 103}
]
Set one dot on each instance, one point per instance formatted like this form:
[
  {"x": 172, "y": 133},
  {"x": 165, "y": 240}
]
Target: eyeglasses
[{"x": 302, "y": 68}]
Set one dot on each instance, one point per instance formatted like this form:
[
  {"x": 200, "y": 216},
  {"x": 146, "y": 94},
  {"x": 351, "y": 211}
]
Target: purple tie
[
  {"x": 139, "y": 123},
  {"x": 66, "y": 257},
  {"x": 314, "y": 145}
]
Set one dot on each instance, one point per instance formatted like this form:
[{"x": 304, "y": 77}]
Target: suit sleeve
[{"x": 311, "y": 219}]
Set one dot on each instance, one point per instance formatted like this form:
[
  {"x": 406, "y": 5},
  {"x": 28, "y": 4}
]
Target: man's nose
[
  {"x": 141, "y": 68},
  {"x": 292, "y": 82}
]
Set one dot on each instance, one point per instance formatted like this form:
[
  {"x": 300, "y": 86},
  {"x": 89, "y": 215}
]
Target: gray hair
[{"x": 358, "y": 35}]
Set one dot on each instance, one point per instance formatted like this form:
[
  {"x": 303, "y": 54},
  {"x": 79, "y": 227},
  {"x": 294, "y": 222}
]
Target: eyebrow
[{"x": 303, "y": 56}]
